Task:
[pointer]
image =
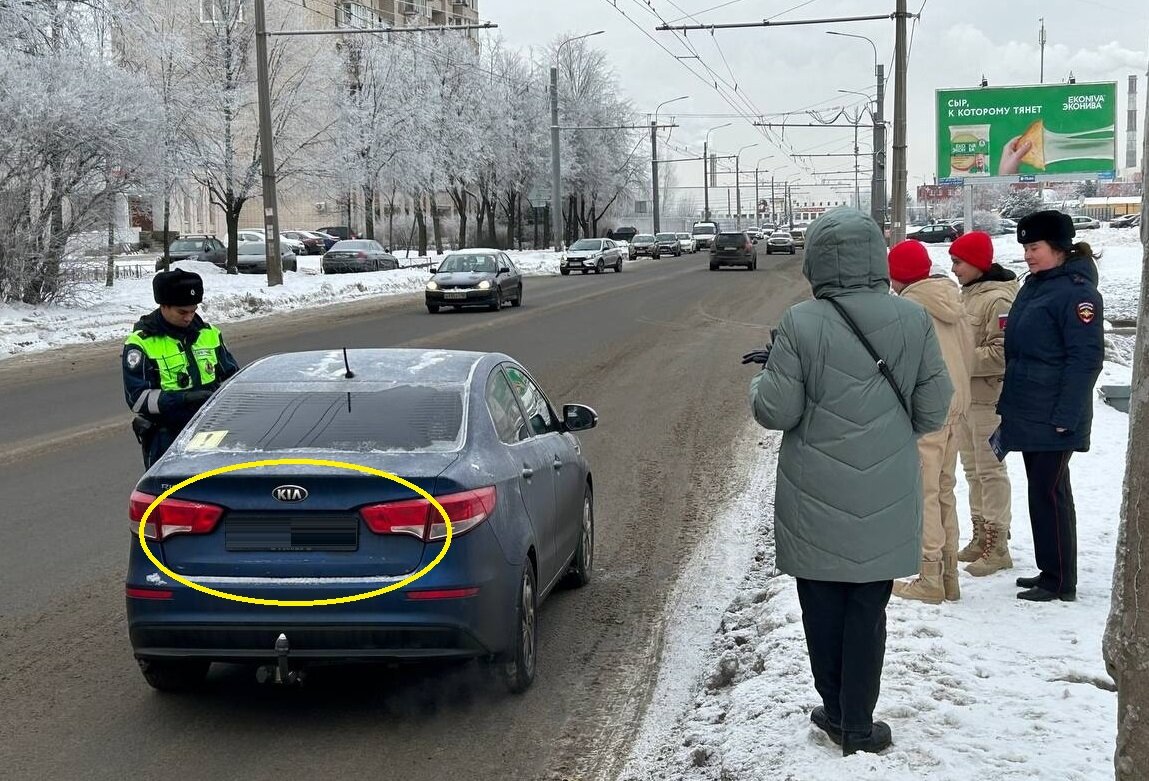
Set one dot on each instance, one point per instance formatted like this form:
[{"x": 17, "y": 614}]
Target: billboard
[{"x": 1010, "y": 131}]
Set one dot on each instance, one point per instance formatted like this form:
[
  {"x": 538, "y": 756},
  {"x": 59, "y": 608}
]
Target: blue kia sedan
[{"x": 474, "y": 430}]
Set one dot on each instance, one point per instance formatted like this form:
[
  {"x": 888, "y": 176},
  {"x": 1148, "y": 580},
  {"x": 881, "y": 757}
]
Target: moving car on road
[
  {"x": 645, "y": 244},
  {"x": 475, "y": 277},
  {"x": 668, "y": 244},
  {"x": 704, "y": 233},
  {"x": 357, "y": 255},
  {"x": 733, "y": 248},
  {"x": 780, "y": 241},
  {"x": 473, "y": 430},
  {"x": 687, "y": 243},
  {"x": 595, "y": 255}
]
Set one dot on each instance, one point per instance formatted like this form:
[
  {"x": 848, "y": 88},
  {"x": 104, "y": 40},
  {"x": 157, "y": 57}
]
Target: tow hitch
[{"x": 280, "y": 672}]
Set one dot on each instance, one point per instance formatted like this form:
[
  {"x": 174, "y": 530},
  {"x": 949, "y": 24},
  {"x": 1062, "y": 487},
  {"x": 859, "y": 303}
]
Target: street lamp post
[
  {"x": 878, "y": 200},
  {"x": 757, "y": 200},
  {"x": 738, "y": 183},
  {"x": 705, "y": 175},
  {"x": 654, "y": 160},
  {"x": 857, "y": 195},
  {"x": 556, "y": 183}
]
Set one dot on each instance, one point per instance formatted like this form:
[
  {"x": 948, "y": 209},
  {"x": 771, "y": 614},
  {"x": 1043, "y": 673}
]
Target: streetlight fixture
[
  {"x": 705, "y": 177},
  {"x": 556, "y": 184},
  {"x": 654, "y": 160},
  {"x": 857, "y": 194},
  {"x": 878, "y": 200},
  {"x": 738, "y": 183},
  {"x": 757, "y": 201}
]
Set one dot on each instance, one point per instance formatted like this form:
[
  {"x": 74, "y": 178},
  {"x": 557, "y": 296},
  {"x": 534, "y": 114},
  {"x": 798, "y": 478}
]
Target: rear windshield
[
  {"x": 730, "y": 240},
  {"x": 705, "y": 229},
  {"x": 375, "y": 417}
]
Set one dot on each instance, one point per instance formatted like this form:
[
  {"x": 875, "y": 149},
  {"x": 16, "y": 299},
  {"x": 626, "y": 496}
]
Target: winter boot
[
  {"x": 950, "y": 576},
  {"x": 995, "y": 556},
  {"x": 972, "y": 551},
  {"x": 878, "y": 739},
  {"x": 927, "y": 587}
]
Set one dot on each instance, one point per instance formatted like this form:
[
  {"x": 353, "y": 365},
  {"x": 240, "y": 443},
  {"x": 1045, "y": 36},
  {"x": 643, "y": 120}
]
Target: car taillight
[
  {"x": 172, "y": 516},
  {"x": 419, "y": 518}
]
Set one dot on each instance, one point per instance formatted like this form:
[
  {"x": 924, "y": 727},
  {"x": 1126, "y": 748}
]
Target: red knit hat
[
  {"x": 975, "y": 248},
  {"x": 909, "y": 262}
]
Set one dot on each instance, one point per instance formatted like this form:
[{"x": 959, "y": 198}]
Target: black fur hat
[
  {"x": 177, "y": 288},
  {"x": 1052, "y": 226}
]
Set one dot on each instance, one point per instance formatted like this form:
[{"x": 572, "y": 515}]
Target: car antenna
[{"x": 346, "y": 364}]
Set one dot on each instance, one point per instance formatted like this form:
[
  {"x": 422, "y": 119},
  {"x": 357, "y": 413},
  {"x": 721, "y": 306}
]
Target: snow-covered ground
[
  {"x": 100, "y": 313},
  {"x": 987, "y": 687}
]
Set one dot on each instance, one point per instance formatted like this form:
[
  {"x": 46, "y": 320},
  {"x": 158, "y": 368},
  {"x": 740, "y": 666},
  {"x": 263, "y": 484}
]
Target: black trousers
[
  {"x": 1053, "y": 519},
  {"x": 845, "y": 627}
]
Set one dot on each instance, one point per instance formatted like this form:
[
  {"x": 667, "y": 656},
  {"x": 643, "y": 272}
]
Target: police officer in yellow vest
[{"x": 172, "y": 363}]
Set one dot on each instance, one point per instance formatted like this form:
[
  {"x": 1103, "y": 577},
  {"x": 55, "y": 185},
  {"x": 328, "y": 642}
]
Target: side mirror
[
  {"x": 434, "y": 269},
  {"x": 504, "y": 270},
  {"x": 578, "y": 417}
]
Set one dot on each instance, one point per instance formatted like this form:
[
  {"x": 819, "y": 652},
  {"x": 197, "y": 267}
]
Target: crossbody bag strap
[{"x": 883, "y": 367}]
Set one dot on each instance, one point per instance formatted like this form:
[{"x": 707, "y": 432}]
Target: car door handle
[{"x": 528, "y": 472}]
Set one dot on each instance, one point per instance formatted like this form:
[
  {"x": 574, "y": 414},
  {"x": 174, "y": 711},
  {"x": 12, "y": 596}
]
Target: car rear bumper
[
  {"x": 645, "y": 251},
  {"x": 338, "y": 267},
  {"x": 730, "y": 260}
]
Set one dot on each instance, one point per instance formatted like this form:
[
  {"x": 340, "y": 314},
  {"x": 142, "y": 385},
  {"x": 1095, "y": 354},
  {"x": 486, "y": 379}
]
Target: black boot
[
  {"x": 822, "y": 722},
  {"x": 1039, "y": 594},
  {"x": 1028, "y": 582},
  {"x": 877, "y": 740}
]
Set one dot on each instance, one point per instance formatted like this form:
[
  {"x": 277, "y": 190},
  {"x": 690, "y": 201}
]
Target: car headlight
[
  {"x": 562, "y": 258},
  {"x": 484, "y": 285},
  {"x": 432, "y": 285}
]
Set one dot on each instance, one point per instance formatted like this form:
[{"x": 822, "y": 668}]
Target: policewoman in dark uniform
[
  {"x": 1054, "y": 347},
  {"x": 172, "y": 363}
]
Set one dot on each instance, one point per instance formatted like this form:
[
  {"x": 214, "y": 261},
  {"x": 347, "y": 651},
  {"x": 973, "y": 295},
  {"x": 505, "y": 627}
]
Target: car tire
[
  {"x": 433, "y": 309},
  {"x": 713, "y": 266},
  {"x": 564, "y": 271},
  {"x": 518, "y": 299},
  {"x": 579, "y": 573},
  {"x": 517, "y": 664},
  {"x": 793, "y": 250},
  {"x": 598, "y": 268},
  {"x": 618, "y": 267},
  {"x": 174, "y": 675},
  {"x": 497, "y": 304}
]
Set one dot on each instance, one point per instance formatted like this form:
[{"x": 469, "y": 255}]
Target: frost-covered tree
[{"x": 1019, "y": 203}]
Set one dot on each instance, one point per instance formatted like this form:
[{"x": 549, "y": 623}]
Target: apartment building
[{"x": 404, "y": 13}]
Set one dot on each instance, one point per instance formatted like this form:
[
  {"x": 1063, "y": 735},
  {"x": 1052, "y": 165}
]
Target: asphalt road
[{"x": 654, "y": 350}]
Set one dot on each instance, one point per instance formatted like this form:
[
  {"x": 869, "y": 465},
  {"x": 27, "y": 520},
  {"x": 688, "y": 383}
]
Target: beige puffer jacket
[
  {"x": 988, "y": 301},
  {"x": 941, "y": 297}
]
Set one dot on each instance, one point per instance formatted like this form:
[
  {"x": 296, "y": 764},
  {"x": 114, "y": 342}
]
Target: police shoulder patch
[
  {"x": 1086, "y": 312},
  {"x": 133, "y": 358}
]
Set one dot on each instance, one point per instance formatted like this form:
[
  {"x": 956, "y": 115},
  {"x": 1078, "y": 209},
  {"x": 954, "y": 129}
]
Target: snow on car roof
[
  {"x": 475, "y": 251},
  {"x": 368, "y": 365}
]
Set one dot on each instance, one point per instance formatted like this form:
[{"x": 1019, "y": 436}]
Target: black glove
[
  {"x": 197, "y": 398},
  {"x": 757, "y": 356}
]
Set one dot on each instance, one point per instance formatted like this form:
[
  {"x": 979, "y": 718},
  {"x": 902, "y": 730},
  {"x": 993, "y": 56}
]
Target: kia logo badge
[{"x": 290, "y": 493}]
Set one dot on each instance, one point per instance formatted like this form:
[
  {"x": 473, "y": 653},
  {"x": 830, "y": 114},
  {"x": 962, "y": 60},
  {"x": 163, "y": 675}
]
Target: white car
[
  {"x": 780, "y": 241},
  {"x": 687, "y": 242},
  {"x": 623, "y": 248},
  {"x": 1084, "y": 222},
  {"x": 257, "y": 234}
]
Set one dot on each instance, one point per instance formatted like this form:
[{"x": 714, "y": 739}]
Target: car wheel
[
  {"x": 497, "y": 304},
  {"x": 713, "y": 266},
  {"x": 564, "y": 271},
  {"x": 174, "y": 675},
  {"x": 598, "y": 268},
  {"x": 580, "y": 569},
  {"x": 792, "y": 250},
  {"x": 519, "y": 298},
  {"x": 618, "y": 267},
  {"x": 517, "y": 665},
  {"x": 433, "y": 308}
]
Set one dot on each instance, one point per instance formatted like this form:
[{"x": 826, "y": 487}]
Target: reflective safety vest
[{"x": 181, "y": 367}]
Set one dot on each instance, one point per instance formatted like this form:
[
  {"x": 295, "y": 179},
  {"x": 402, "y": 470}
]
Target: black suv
[
  {"x": 733, "y": 248},
  {"x": 201, "y": 247}
]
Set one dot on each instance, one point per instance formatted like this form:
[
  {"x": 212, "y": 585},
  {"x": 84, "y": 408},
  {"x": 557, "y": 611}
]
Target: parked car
[
  {"x": 475, "y": 277},
  {"x": 473, "y": 430},
  {"x": 934, "y": 234},
  {"x": 687, "y": 243},
  {"x": 312, "y": 243},
  {"x": 798, "y": 234},
  {"x": 1125, "y": 221},
  {"x": 668, "y": 244},
  {"x": 357, "y": 255},
  {"x": 595, "y": 255},
  {"x": 704, "y": 233},
  {"x": 251, "y": 258},
  {"x": 645, "y": 244},
  {"x": 623, "y": 249},
  {"x": 201, "y": 247},
  {"x": 341, "y": 232},
  {"x": 733, "y": 248},
  {"x": 1006, "y": 225},
  {"x": 780, "y": 241},
  {"x": 625, "y": 233},
  {"x": 327, "y": 239},
  {"x": 1084, "y": 222}
]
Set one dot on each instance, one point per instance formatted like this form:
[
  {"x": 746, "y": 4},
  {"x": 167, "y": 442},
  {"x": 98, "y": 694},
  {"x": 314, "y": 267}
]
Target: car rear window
[
  {"x": 374, "y": 417},
  {"x": 667, "y": 237},
  {"x": 730, "y": 240},
  {"x": 701, "y": 230}
]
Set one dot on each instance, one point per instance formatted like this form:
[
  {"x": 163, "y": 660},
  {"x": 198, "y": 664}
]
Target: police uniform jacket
[
  {"x": 162, "y": 364},
  {"x": 1054, "y": 348}
]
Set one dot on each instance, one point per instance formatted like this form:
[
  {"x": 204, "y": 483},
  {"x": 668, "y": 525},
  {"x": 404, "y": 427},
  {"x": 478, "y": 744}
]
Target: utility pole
[
  {"x": 267, "y": 153},
  {"x": 654, "y": 171},
  {"x": 705, "y": 180},
  {"x": 898, "y": 223},
  {"x": 1041, "y": 44},
  {"x": 738, "y": 191},
  {"x": 773, "y": 203},
  {"x": 556, "y": 185},
  {"x": 857, "y": 193},
  {"x": 878, "y": 200}
]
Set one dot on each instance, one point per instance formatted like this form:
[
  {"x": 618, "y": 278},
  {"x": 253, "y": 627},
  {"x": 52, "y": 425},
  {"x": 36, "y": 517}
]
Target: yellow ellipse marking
[{"x": 295, "y": 602}]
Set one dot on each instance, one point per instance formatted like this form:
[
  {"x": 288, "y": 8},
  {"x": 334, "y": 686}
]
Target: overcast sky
[{"x": 784, "y": 69}]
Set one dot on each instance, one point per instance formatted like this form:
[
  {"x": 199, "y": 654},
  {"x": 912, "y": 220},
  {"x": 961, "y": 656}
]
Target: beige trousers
[
  {"x": 989, "y": 489},
  {"x": 939, "y": 452}
]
